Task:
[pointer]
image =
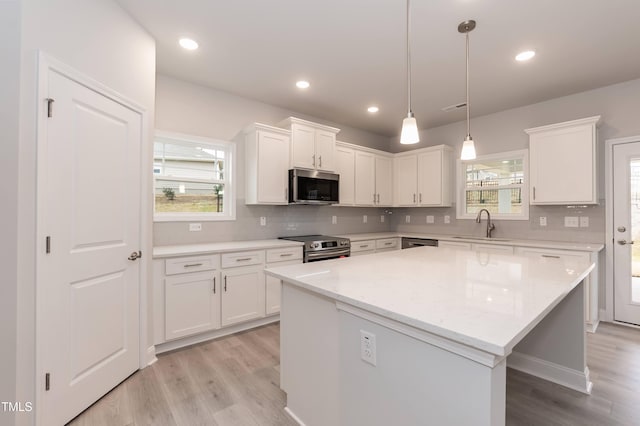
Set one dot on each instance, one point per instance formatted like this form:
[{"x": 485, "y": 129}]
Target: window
[
  {"x": 193, "y": 178},
  {"x": 498, "y": 183}
]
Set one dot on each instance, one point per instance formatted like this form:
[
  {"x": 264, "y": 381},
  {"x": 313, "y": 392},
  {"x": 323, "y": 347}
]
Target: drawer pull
[
  {"x": 364, "y": 246},
  {"x": 214, "y": 285},
  {"x": 243, "y": 259},
  {"x": 225, "y": 283},
  {"x": 192, "y": 265},
  {"x": 286, "y": 254},
  {"x": 551, "y": 256},
  {"x": 387, "y": 244}
]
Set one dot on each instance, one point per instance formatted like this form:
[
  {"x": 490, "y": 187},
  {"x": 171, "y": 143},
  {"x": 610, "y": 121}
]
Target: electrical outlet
[
  {"x": 447, "y": 219},
  {"x": 407, "y": 219},
  {"x": 381, "y": 218},
  {"x": 543, "y": 221},
  {"x": 430, "y": 219},
  {"x": 368, "y": 347},
  {"x": 571, "y": 222},
  {"x": 334, "y": 220},
  {"x": 584, "y": 221},
  {"x": 195, "y": 227},
  {"x": 364, "y": 218},
  {"x": 263, "y": 221}
]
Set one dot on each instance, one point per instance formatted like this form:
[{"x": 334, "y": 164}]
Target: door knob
[
  {"x": 135, "y": 255},
  {"x": 621, "y": 229},
  {"x": 624, "y": 242}
]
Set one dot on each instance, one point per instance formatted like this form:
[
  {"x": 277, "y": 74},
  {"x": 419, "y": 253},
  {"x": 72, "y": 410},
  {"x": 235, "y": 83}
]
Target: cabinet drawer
[
  {"x": 387, "y": 243},
  {"x": 181, "y": 265},
  {"x": 363, "y": 246},
  {"x": 284, "y": 254},
  {"x": 245, "y": 258},
  {"x": 492, "y": 248},
  {"x": 454, "y": 245},
  {"x": 553, "y": 254}
]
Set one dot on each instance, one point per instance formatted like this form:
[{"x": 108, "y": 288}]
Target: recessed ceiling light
[
  {"x": 525, "y": 56},
  {"x": 373, "y": 109},
  {"x": 188, "y": 43},
  {"x": 302, "y": 84}
]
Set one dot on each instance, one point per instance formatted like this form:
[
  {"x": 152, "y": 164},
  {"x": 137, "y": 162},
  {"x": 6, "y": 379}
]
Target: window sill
[{"x": 186, "y": 217}]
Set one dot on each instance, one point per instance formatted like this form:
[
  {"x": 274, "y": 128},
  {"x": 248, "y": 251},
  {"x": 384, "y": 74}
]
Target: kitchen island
[{"x": 422, "y": 336}]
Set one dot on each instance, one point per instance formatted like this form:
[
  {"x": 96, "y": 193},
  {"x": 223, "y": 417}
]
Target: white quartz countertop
[
  {"x": 559, "y": 245},
  {"x": 484, "y": 300},
  {"x": 231, "y": 246}
]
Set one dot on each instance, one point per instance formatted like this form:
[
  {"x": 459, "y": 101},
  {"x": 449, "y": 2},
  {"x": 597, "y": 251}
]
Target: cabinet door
[
  {"x": 273, "y": 166},
  {"x": 273, "y": 288},
  {"x": 365, "y": 179},
  {"x": 384, "y": 181},
  {"x": 345, "y": 167},
  {"x": 405, "y": 178},
  {"x": 325, "y": 150},
  {"x": 192, "y": 304},
  {"x": 242, "y": 294},
  {"x": 562, "y": 165},
  {"x": 430, "y": 176},
  {"x": 302, "y": 146}
]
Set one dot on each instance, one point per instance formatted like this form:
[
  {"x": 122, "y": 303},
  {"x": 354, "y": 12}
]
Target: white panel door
[
  {"x": 243, "y": 293},
  {"x": 325, "y": 150},
  {"x": 90, "y": 313},
  {"x": 430, "y": 178},
  {"x": 303, "y": 147},
  {"x": 273, "y": 166},
  {"x": 384, "y": 181},
  {"x": 365, "y": 179},
  {"x": 345, "y": 167},
  {"x": 405, "y": 172},
  {"x": 626, "y": 232}
]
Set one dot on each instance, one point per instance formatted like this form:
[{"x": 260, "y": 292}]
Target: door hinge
[
  {"x": 48, "y": 244},
  {"x": 50, "y": 102},
  {"x": 47, "y": 381}
]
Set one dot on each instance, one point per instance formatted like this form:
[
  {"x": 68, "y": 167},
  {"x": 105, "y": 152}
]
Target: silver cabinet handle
[
  {"x": 364, "y": 246},
  {"x": 414, "y": 198},
  {"x": 374, "y": 198},
  {"x": 225, "y": 283},
  {"x": 387, "y": 244},
  {"x": 286, "y": 194},
  {"x": 243, "y": 259},
  {"x": 624, "y": 242},
  {"x": 378, "y": 198},
  {"x": 420, "y": 197},
  {"x": 214, "y": 285},
  {"x": 286, "y": 254},
  {"x": 320, "y": 161},
  {"x": 534, "y": 193},
  {"x": 550, "y": 256},
  {"x": 314, "y": 159},
  {"x": 192, "y": 265}
]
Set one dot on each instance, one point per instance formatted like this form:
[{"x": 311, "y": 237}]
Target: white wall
[
  {"x": 100, "y": 40},
  {"x": 9, "y": 106}
]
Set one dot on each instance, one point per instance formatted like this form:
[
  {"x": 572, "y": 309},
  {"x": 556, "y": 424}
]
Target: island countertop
[{"x": 484, "y": 300}]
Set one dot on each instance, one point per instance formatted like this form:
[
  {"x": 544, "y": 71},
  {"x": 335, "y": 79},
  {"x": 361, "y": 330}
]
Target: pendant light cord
[
  {"x": 408, "y": 57},
  {"x": 468, "y": 106}
]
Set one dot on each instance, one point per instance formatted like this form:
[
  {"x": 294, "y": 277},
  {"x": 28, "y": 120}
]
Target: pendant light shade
[
  {"x": 409, "y": 133},
  {"x": 468, "y": 147}
]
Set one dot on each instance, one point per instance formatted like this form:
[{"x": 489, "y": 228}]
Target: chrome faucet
[{"x": 490, "y": 226}]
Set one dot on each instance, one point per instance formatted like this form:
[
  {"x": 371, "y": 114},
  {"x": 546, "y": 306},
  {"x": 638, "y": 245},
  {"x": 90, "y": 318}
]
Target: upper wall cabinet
[
  {"x": 267, "y": 164},
  {"x": 345, "y": 167},
  {"x": 366, "y": 176},
  {"x": 424, "y": 177},
  {"x": 562, "y": 160},
  {"x": 312, "y": 145}
]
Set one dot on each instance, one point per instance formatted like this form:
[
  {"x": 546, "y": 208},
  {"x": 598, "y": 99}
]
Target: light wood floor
[{"x": 234, "y": 381}]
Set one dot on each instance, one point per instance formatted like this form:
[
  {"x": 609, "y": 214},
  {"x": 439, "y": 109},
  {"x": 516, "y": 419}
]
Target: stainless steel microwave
[{"x": 313, "y": 187}]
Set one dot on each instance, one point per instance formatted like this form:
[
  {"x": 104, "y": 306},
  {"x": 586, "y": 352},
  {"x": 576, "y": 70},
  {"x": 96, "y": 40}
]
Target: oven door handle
[{"x": 328, "y": 254}]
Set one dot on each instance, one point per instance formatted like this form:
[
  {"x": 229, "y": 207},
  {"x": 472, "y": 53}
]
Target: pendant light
[
  {"x": 468, "y": 148},
  {"x": 409, "y": 133}
]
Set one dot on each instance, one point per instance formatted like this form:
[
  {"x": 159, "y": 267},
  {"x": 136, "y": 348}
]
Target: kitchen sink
[{"x": 481, "y": 238}]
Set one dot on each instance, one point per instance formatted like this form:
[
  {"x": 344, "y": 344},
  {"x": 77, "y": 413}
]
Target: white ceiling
[{"x": 353, "y": 52}]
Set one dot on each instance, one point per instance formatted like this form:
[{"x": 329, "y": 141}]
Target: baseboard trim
[
  {"x": 293, "y": 416},
  {"x": 203, "y": 337},
  {"x": 591, "y": 328},
  {"x": 572, "y": 379},
  {"x": 151, "y": 355}
]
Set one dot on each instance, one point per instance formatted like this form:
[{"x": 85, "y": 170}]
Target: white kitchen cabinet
[
  {"x": 492, "y": 248},
  {"x": 424, "y": 177},
  {"x": 562, "y": 162},
  {"x": 273, "y": 286},
  {"x": 590, "y": 282},
  {"x": 243, "y": 294},
  {"x": 365, "y": 175},
  {"x": 458, "y": 245},
  {"x": 384, "y": 180},
  {"x": 345, "y": 167},
  {"x": 192, "y": 303},
  {"x": 359, "y": 248},
  {"x": 266, "y": 164},
  {"x": 312, "y": 145}
]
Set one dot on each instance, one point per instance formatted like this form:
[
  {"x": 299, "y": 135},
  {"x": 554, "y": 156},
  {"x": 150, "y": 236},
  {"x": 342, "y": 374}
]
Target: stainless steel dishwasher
[{"x": 418, "y": 242}]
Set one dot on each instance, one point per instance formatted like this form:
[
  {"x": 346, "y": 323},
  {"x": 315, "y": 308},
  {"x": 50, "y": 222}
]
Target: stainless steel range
[{"x": 322, "y": 247}]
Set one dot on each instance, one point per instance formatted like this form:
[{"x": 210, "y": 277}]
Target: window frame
[
  {"x": 461, "y": 180},
  {"x": 229, "y": 200}
]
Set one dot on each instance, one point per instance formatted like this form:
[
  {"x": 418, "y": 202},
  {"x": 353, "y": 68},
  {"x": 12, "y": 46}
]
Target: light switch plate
[
  {"x": 364, "y": 218},
  {"x": 334, "y": 220},
  {"x": 584, "y": 221},
  {"x": 571, "y": 222},
  {"x": 263, "y": 221},
  {"x": 407, "y": 219},
  {"x": 447, "y": 219},
  {"x": 430, "y": 219},
  {"x": 543, "y": 221},
  {"x": 195, "y": 227},
  {"x": 381, "y": 218}
]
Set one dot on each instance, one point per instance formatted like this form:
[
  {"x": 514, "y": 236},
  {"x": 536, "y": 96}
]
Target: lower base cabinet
[
  {"x": 243, "y": 293},
  {"x": 273, "y": 288}
]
